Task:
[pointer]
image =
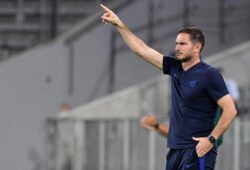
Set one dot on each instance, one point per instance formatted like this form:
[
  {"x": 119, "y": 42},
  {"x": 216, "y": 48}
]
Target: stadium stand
[{"x": 27, "y": 23}]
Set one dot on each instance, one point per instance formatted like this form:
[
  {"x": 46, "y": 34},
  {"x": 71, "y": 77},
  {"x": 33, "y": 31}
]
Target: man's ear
[{"x": 197, "y": 47}]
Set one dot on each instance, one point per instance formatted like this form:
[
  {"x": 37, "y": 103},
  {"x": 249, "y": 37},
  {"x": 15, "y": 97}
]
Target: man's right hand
[
  {"x": 110, "y": 17},
  {"x": 135, "y": 44}
]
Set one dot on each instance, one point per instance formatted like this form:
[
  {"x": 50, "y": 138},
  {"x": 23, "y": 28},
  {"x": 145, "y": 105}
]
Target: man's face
[{"x": 184, "y": 47}]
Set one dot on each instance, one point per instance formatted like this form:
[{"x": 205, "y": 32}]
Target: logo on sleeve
[{"x": 189, "y": 165}]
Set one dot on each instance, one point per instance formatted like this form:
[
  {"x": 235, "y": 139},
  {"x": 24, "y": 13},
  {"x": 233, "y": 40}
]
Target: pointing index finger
[{"x": 106, "y": 9}]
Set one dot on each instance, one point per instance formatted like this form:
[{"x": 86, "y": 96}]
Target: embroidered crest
[{"x": 192, "y": 83}]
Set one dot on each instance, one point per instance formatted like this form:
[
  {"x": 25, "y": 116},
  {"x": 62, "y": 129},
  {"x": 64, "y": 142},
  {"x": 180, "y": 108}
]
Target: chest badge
[{"x": 193, "y": 83}]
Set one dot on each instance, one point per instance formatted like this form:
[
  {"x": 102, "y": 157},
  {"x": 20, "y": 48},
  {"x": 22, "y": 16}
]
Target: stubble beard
[{"x": 185, "y": 59}]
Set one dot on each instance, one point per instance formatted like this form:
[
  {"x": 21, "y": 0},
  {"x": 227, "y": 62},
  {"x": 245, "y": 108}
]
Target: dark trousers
[{"x": 187, "y": 159}]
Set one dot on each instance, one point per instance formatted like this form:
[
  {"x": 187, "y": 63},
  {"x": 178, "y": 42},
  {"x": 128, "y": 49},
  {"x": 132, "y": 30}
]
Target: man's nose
[{"x": 177, "y": 47}]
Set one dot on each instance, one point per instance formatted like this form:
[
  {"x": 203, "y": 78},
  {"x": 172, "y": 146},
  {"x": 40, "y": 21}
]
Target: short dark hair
[{"x": 196, "y": 35}]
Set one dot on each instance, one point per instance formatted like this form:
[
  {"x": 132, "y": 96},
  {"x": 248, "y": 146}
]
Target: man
[{"x": 196, "y": 90}]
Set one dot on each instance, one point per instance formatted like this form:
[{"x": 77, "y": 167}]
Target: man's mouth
[{"x": 178, "y": 53}]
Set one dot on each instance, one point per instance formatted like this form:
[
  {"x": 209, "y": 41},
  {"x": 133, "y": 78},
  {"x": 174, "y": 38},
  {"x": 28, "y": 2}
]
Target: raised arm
[{"x": 135, "y": 44}]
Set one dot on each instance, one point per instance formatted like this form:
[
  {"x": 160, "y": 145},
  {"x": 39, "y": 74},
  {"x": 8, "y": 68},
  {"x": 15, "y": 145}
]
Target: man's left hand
[{"x": 203, "y": 146}]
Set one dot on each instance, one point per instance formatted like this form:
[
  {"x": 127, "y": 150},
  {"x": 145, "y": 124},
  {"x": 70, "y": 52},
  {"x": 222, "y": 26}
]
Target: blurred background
[{"x": 72, "y": 92}]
